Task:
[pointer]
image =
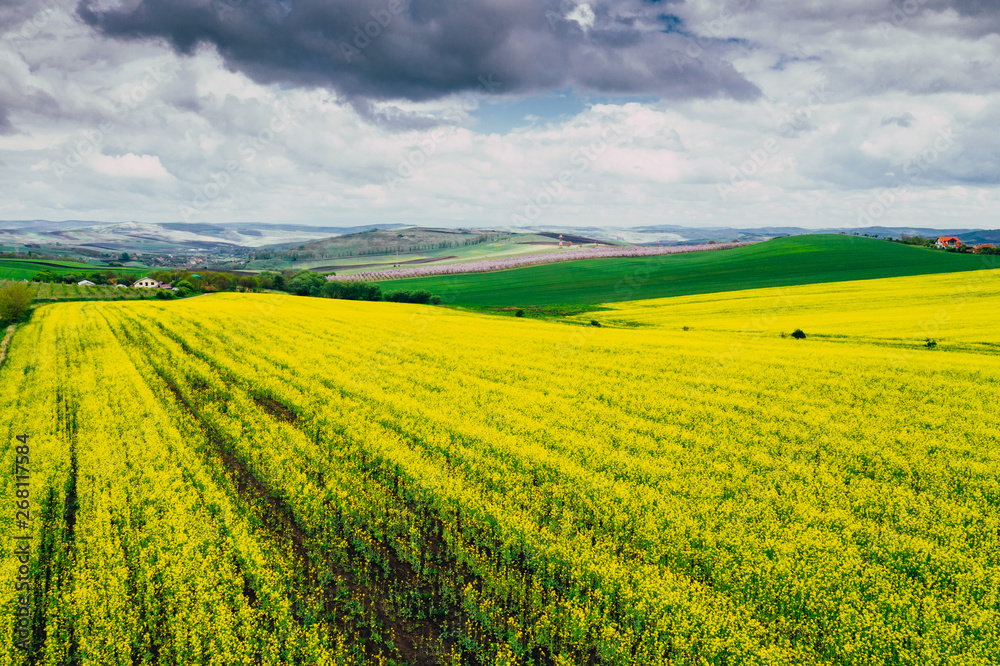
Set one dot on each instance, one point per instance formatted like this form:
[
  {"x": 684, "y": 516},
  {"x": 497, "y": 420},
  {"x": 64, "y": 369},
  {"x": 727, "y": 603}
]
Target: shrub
[
  {"x": 15, "y": 299},
  {"x": 352, "y": 291},
  {"x": 306, "y": 283},
  {"x": 596, "y": 323},
  {"x": 421, "y": 296},
  {"x": 435, "y": 300},
  {"x": 930, "y": 344},
  {"x": 519, "y": 313},
  {"x": 798, "y": 334}
]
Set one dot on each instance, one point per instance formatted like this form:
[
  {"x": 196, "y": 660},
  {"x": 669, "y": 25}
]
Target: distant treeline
[
  {"x": 307, "y": 283},
  {"x": 301, "y": 283}
]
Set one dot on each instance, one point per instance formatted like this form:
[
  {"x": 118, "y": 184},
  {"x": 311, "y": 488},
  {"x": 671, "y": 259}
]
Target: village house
[
  {"x": 147, "y": 283},
  {"x": 944, "y": 242}
]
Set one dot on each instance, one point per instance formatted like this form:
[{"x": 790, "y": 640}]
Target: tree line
[{"x": 301, "y": 283}]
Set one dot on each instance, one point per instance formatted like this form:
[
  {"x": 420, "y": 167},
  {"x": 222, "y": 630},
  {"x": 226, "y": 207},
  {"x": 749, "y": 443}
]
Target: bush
[
  {"x": 595, "y": 323},
  {"x": 930, "y": 344},
  {"x": 45, "y": 276},
  {"x": 398, "y": 297},
  {"x": 306, "y": 283},
  {"x": 352, "y": 291},
  {"x": 519, "y": 313},
  {"x": 164, "y": 294},
  {"x": 798, "y": 334},
  {"x": 421, "y": 296},
  {"x": 15, "y": 299},
  {"x": 435, "y": 300}
]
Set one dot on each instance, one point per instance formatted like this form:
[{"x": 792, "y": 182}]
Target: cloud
[
  {"x": 583, "y": 15},
  {"x": 427, "y": 49},
  {"x": 904, "y": 120},
  {"x": 129, "y": 165}
]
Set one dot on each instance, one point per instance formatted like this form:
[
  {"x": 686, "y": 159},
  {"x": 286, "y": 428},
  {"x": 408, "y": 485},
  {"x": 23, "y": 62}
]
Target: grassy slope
[
  {"x": 780, "y": 262},
  {"x": 25, "y": 269}
]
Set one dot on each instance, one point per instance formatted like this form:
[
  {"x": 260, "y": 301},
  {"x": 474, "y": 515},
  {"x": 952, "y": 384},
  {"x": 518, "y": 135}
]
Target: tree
[
  {"x": 351, "y": 291},
  {"x": 306, "y": 283},
  {"x": 15, "y": 299},
  {"x": 798, "y": 334},
  {"x": 124, "y": 257},
  {"x": 248, "y": 283},
  {"x": 421, "y": 296},
  {"x": 266, "y": 279}
]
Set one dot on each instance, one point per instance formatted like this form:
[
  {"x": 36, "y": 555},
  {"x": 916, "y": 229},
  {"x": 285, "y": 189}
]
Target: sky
[{"x": 500, "y": 113}]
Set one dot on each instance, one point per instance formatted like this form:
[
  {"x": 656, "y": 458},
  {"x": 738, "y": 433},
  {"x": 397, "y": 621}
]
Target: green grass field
[
  {"x": 780, "y": 262},
  {"x": 25, "y": 269}
]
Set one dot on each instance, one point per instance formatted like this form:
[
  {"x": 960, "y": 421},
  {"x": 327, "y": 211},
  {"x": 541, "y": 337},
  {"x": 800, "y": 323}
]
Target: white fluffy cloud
[{"x": 93, "y": 128}]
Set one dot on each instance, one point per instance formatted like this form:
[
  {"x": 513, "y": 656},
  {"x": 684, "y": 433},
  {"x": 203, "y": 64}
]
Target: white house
[
  {"x": 86, "y": 283},
  {"x": 146, "y": 283}
]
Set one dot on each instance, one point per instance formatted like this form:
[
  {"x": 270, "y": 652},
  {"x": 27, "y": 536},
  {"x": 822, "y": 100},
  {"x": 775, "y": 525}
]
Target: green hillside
[
  {"x": 780, "y": 262},
  {"x": 25, "y": 269}
]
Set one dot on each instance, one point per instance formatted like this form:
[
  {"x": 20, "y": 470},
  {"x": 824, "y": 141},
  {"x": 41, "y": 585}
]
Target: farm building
[
  {"x": 947, "y": 241},
  {"x": 147, "y": 283},
  {"x": 86, "y": 283}
]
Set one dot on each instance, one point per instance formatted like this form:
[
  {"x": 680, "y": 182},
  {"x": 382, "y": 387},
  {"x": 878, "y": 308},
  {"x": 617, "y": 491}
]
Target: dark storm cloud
[{"x": 425, "y": 49}]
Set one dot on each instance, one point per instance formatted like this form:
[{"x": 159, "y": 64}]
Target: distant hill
[
  {"x": 170, "y": 237},
  {"x": 238, "y": 238},
  {"x": 670, "y": 234},
  {"x": 379, "y": 242}
]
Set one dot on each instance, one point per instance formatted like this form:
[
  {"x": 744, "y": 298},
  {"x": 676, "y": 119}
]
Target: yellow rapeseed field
[{"x": 261, "y": 479}]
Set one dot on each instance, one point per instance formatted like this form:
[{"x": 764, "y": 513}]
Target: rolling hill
[{"x": 785, "y": 261}]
